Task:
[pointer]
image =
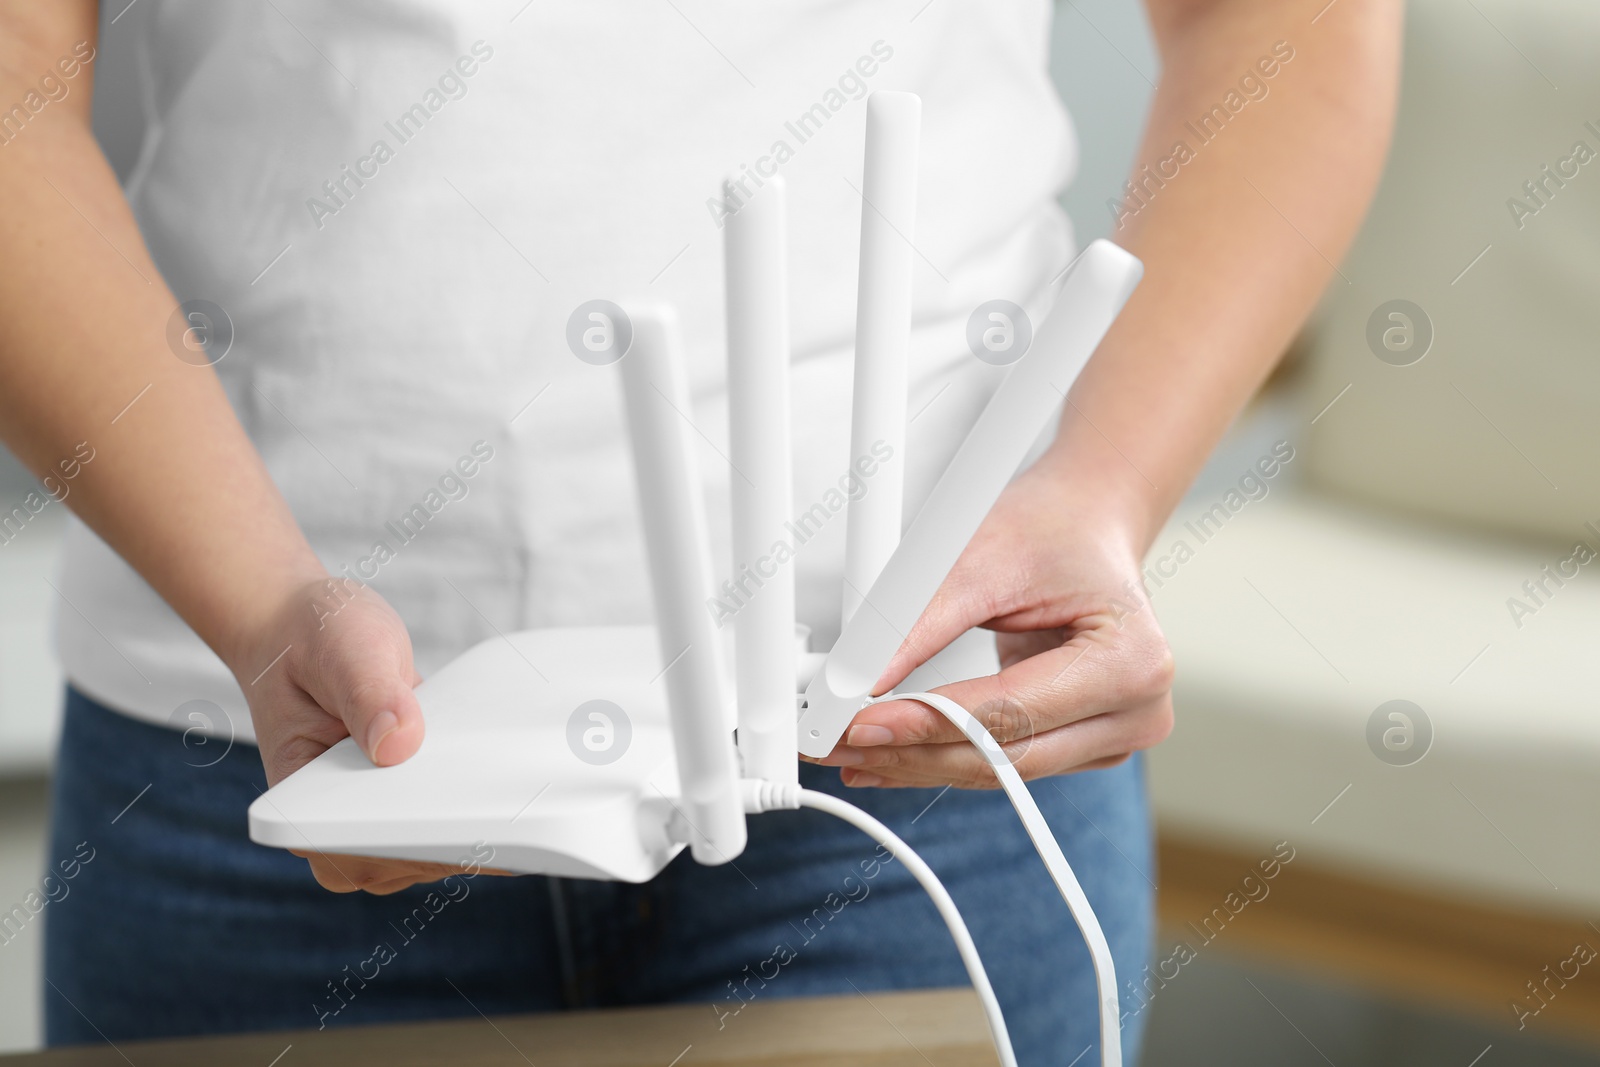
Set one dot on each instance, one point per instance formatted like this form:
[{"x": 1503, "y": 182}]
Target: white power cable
[
  {"x": 810, "y": 798},
  {"x": 760, "y": 796},
  {"x": 1105, "y": 971}
]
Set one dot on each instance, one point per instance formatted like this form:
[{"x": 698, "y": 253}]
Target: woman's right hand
[
  {"x": 177, "y": 487},
  {"x": 340, "y": 666}
]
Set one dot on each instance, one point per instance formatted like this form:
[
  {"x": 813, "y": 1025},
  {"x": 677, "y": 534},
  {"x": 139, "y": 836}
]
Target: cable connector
[{"x": 760, "y": 795}]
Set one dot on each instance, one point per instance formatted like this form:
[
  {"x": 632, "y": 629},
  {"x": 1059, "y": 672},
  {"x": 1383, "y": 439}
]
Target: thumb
[{"x": 372, "y": 696}]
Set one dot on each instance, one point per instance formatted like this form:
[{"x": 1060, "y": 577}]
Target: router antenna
[
  {"x": 755, "y": 255},
  {"x": 680, "y": 578},
  {"x": 883, "y": 336},
  {"x": 1094, "y": 292}
]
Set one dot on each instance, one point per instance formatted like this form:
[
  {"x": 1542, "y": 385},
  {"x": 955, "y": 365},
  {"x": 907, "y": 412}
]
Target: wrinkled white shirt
[{"x": 399, "y": 205}]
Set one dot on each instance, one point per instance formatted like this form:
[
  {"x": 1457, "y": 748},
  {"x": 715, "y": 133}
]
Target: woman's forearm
[
  {"x": 175, "y": 485},
  {"x": 1239, "y": 220}
]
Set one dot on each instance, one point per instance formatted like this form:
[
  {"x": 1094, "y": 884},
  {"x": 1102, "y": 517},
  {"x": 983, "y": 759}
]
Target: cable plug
[{"x": 760, "y": 795}]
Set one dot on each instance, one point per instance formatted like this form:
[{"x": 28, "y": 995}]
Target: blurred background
[{"x": 1386, "y": 650}]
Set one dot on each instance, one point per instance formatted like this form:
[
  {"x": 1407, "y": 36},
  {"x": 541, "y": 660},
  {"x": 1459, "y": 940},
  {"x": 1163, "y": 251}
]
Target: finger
[
  {"x": 360, "y": 686},
  {"x": 384, "y": 889},
  {"x": 364, "y": 872},
  {"x": 432, "y": 870},
  {"x": 855, "y": 778},
  {"x": 333, "y": 876},
  {"x": 1097, "y": 671},
  {"x": 1099, "y": 741},
  {"x": 297, "y": 732},
  {"x": 343, "y": 873},
  {"x": 961, "y": 774},
  {"x": 369, "y": 690}
]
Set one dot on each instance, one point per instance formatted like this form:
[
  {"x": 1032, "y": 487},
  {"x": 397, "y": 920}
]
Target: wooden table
[{"x": 944, "y": 1028}]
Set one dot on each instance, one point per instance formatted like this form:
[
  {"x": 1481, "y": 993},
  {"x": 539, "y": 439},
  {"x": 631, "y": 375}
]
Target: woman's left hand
[{"x": 1085, "y": 676}]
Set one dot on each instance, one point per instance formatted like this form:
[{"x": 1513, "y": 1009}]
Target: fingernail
[
  {"x": 866, "y": 735},
  {"x": 864, "y": 781},
  {"x": 844, "y": 757},
  {"x": 382, "y": 725}
]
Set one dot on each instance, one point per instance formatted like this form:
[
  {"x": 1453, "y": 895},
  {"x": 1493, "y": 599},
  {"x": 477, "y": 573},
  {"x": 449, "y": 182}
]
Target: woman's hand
[
  {"x": 177, "y": 488},
  {"x": 345, "y": 671},
  {"x": 1055, "y": 568},
  {"x": 1086, "y": 674}
]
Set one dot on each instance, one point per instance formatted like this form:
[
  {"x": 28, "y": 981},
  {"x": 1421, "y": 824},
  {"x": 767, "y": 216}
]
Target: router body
[
  {"x": 499, "y": 764},
  {"x": 498, "y": 767},
  {"x": 603, "y": 752},
  {"x": 497, "y": 717}
]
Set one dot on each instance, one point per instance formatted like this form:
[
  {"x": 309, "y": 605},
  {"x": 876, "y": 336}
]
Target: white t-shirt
[{"x": 399, "y": 205}]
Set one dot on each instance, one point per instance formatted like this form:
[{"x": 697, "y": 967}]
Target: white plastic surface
[
  {"x": 496, "y": 767},
  {"x": 679, "y": 550},
  {"x": 883, "y": 337},
  {"x": 1094, "y": 292},
  {"x": 754, "y": 255}
]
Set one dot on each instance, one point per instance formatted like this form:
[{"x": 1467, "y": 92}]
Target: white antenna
[
  {"x": 609, "y": 813},
  {"x": 680, "y": 578},
  {"x": 883, "y": 336},
  {"x": 1094, "y": 292},
  {"x": 755, "y": 254}
]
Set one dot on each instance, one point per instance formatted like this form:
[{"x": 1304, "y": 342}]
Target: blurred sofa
[{"x": 1436, "y": 538}]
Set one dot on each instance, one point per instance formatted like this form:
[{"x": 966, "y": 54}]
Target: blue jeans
[{"x": 177, "y": 924}]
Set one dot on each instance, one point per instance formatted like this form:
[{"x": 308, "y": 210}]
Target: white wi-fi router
[{"x": 525, "y": 749}]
